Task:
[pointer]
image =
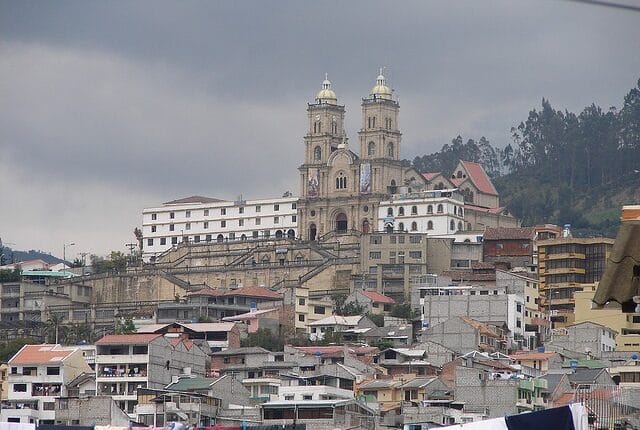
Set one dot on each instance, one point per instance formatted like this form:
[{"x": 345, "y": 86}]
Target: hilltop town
[{"x": 378, "y": 296}]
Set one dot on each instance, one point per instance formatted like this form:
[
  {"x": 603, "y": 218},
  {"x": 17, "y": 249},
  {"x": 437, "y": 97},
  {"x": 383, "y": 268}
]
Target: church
[{"x": 341, "y": 190}]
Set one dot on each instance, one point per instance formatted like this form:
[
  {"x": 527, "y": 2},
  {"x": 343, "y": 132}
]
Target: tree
[
  {"x": 8, "y": 275},
  {"x": 344, "y": 308},
  {"x": 124, "y": 326},
  {"x": 263, "y": 338},
  {"x": 138, "y": 234},
  {"x": 77, "y": 262},
  {"x": 53, "y": 328},
  {"x": 9, "y": 349},
  {"x": 377, "y": 319}
]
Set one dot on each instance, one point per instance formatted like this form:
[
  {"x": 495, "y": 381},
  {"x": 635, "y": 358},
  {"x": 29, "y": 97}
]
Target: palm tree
[{"x": 52, "y": 328}]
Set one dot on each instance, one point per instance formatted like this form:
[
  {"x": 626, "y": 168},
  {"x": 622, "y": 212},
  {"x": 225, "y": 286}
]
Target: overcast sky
[{"x": 110, "y": 107}]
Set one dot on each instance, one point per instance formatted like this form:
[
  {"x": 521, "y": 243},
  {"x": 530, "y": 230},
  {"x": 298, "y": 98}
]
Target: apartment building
[
  {"x": 567, "y": 265},
  {"x": 38, "y": 375},
  {"x": 198, "y": 219},
  {"x": 127, "y": 362},
  {"x": 434, "y": 212}
]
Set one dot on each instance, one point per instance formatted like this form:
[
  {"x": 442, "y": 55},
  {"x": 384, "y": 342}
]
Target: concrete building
[
  {"x": 203, "y": 219},
  {"x": 509, "y": 247},
  {"x": 567, "y": 265},
  {"x": 372, "y": 301},
  {"x": 90, "y": 411},
  {"x": 627, "y": 325},
  {"x": 484, "y": 304},
  {"x": 218, "y": 336},
  {"x": 39, "y": 374},
  {"x": 462, "y": 334},
  {"x": 338, "y": 324},
  {"x": 586, "y": 337},
  {"x": 319, "y": 414},
  {"x": 127, "y": 362}
]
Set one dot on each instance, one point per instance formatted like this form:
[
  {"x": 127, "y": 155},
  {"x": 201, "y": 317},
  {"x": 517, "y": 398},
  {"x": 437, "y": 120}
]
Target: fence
[{"x": 610, "y": 406}]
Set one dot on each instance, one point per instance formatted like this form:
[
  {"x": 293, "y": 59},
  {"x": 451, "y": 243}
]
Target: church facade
[{"x": 341, "y": 190}]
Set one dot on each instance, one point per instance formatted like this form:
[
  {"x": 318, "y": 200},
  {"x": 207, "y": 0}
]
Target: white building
[
  {"x": 203, "y": 219},
  {"x": 38, "y": 375},
  {"x": 437, "y": 212}
]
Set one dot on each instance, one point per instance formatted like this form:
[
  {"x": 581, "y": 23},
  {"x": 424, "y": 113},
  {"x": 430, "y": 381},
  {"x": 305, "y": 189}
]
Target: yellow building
[
  {"x": 627, "y": 325},
  {"x": 567, "y": 265}
]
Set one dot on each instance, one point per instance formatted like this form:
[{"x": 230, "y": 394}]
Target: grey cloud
[{"x": 142, "y": 102}]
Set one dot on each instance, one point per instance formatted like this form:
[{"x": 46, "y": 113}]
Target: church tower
[
  {"x": 380, "y": 135},
  {"x": 325, "y": 126}
]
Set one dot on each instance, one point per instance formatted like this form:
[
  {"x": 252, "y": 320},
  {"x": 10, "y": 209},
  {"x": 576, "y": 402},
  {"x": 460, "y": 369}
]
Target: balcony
[
  {"x": 526, "y": 385},
  {"x": 122, "y": 359},
  {"x": 540, "y": 384}
]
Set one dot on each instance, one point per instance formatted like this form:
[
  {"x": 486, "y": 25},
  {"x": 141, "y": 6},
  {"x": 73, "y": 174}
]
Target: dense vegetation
[{"x": 561, "y": 167}]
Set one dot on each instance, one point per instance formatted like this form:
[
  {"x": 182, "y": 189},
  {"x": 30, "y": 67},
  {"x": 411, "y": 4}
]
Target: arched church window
[
  {"x": 452, "y": 225},
  {"x": 414, "y": 210},
  {"x": 459, "y": 225},
  {"x": 317, "y": 153},
  {"x": 440, "y": 208},
  {"x": 459, "y": 174},
  {"x": 430, "y": 225},
  {"x": 341, "y": 222},
  {"x": 373, "y": 122},
  {"x": 319, "y": 127},
  {"x": 414, "y": 226},
  {"x": 390, "y": 149},
  {"x": 401, "y": 226},
  {"x": 400, "y": 211},
  {"x": 455, "y": 210},
  {"x": 430, "y": 209},
  {"x": 220, "y": 238},
  {"x": 341, "y": 181},
  {"x": 365, "y": 226},
  {"x": 392, "y": 187},
  {"x": 460, "y": 211},
  {"x": 390, "y": 212},
  {"x": 371, "y": 149}
]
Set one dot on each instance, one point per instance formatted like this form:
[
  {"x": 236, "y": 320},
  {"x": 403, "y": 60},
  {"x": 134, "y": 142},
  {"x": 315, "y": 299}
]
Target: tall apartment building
[
  {"x": 127, "y": 362},
  {"x": 38, "y": 375},
  {"x": 198, "y": 219},
  {"x": 567, "y": 265}
]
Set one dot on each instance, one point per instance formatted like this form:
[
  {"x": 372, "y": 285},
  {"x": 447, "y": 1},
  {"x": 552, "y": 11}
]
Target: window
[
  {"x": 172, "y": 215},
  {"x": 223, "y": 223},
  {"x": 206, "y": 212},
  {"x": 294, "y": 218},
  {"x": 440, "y": 209},
  {"x": 401, "y": 226},
  {"x": 187, "y": 214},
  {"x": 241, "y": 222},
  {"x": 163, "y": 241},
  {"x": 301, "y": 301},
  {"x": 301, "y": 317},
  {"x": 401, "y": 238},
  {"x": 317, "y": 153},
  {"x": 187, "y": 226},
  {"x": 149, "y": 242},
  {"x": 174, "y": 240},
  {"x": 390, "y": 212},
  {"x": 241, "y": 209},
  {"x": 430, "y": 209},
  {"x": 196, "y": 238},
  {"x": 401, "y": 211},
  {"x": 276, "y": 220},
  {"x": 232, "y": 236},
  {"x": 414, "y": 226},
  {"x": 519, "y": 308},
  {"x": 153, "y": 229},
  {"x": 255, "y": 234},
  {"x": 19, "y": 388},
  {"x": 205, "y": 224},
  {"x": 452, "y": 225},
  {"x": 414, "y": 210},
  {"x": 319, "y": 310},
  {"x": 415, "y": 254},
  {"x": 341, "y": 181},
  {"x": 208, "y": 238},
  {"x": 276, "y": 208},
  {"x": 258, "y": 208},
  {"x": 415, "y": 239},
  {"x": 172, "y": 227},
  {"x": 307, "y": 397},
  {"x": 48, "y": 406},
  {"x": 371, "y": 149},
  {"x": 294, "y": 206},
  {"x": 390, "y": 149},
  {"x": 375, "y": 255},
  {"x": 154, "y": 217}
]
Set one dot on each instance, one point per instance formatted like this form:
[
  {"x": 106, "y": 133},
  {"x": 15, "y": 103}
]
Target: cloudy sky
[{"x": 110, "y": 107}]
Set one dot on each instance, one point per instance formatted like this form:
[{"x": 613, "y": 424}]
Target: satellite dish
[{"x": 634, "y": 356}]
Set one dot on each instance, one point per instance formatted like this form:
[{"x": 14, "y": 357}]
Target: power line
[{"x": 608, "y": 4}]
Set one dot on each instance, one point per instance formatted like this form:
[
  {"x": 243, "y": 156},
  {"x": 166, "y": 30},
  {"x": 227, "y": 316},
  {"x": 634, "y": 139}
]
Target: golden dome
[
  {"x": 326, "y": 94},
  {"x": 381, "y": 90}
]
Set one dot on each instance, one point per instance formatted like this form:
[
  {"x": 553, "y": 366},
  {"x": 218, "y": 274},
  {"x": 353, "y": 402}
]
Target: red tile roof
[
  {"x": 128, "y": 339},
  {"x": 532, "y": 355},
  {"x": 41, "y": 354},
  {"x": 506, "y": 233},
  {"x": 477, "y": 208},
  {"x": 479, "y": 177},
  {"x": 429, "y": 175},
  {"x": 194, "y": 199},
  {"x": 377, "y": 297}
]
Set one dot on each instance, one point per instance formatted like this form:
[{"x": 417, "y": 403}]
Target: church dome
[
  {"x": 326, "y": 94},
  {"x": 381, "y": 90}
]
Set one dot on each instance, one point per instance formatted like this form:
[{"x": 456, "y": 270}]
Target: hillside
[{"x": 561, "y": 167}]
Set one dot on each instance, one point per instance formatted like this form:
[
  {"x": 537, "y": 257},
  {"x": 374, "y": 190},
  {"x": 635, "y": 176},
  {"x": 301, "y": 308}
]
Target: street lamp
[{"x": 64, "y": 255}]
